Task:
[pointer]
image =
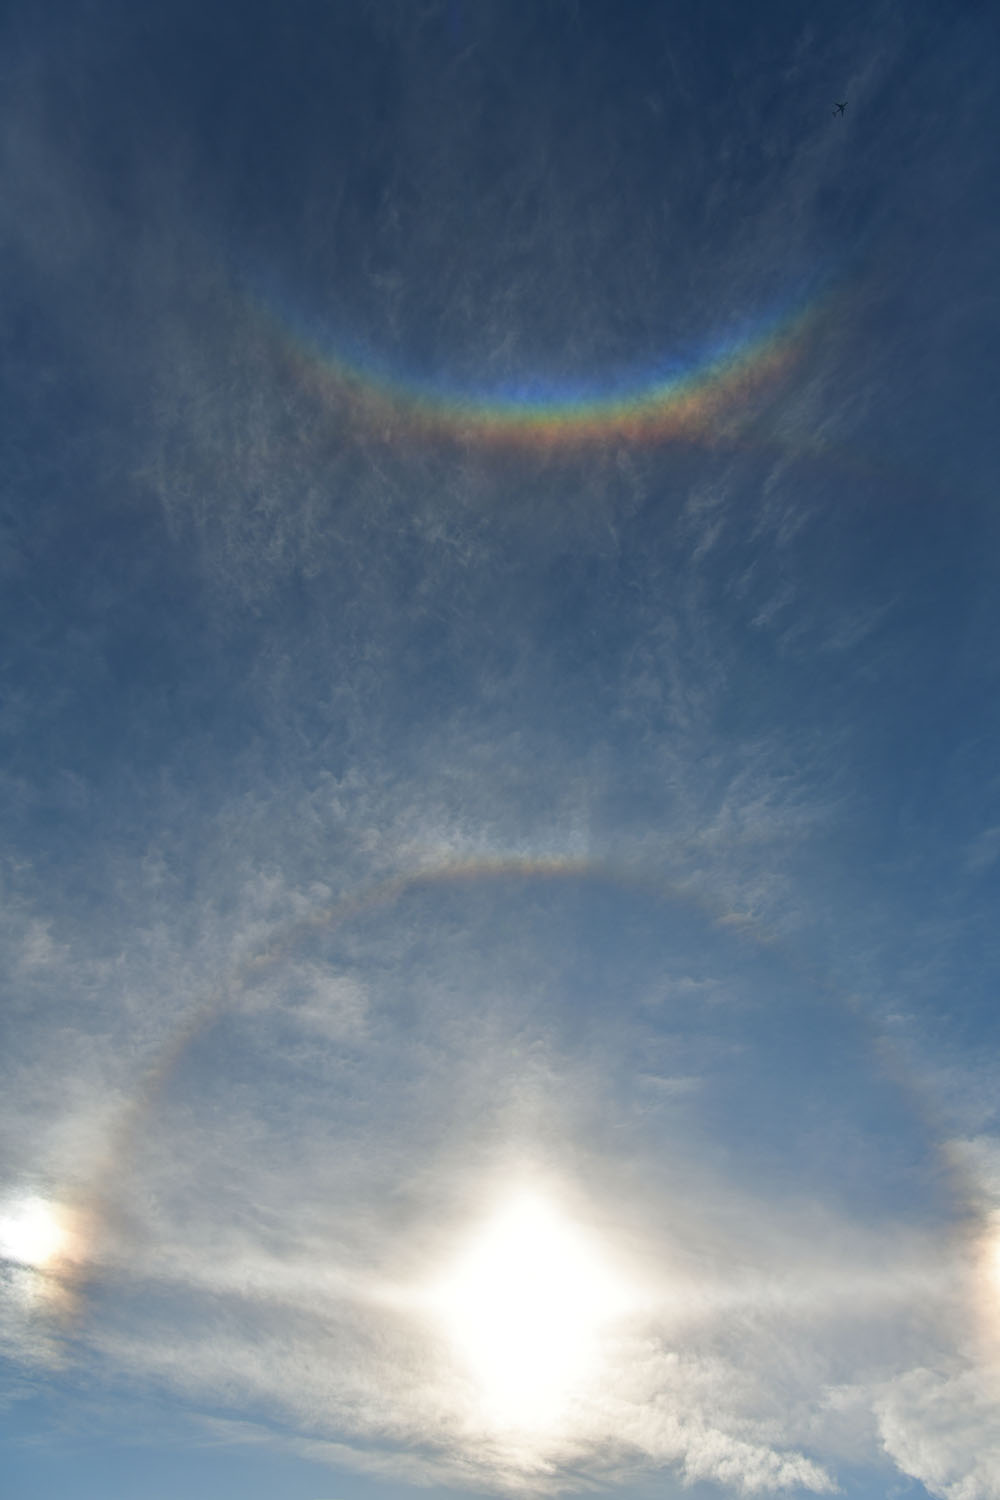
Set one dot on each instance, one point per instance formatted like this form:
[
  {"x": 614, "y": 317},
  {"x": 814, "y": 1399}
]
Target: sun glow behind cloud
[
  {"x": 40, "y": 1244},
  {"x": 33, "y": 1233},
  {"x": 986, "y": 1284},
  {"x": 526, "y": 1305}
]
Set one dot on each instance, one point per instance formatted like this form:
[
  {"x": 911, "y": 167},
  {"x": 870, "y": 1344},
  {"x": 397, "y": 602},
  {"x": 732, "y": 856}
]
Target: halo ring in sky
[
  {"x": 284, "y": 941},
  {"x": 486, "y": 874}
]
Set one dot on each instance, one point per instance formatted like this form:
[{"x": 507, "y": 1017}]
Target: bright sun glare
[
  {"x": 32, "y": 1233},
  {"x": 525, "y": 1304}
]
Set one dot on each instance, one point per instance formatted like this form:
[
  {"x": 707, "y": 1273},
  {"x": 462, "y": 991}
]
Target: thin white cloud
[{"x": 942, "y": 1426}]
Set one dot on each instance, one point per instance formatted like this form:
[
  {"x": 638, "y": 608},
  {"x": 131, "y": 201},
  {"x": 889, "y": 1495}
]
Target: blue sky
[{"x": 499, "y": 936}]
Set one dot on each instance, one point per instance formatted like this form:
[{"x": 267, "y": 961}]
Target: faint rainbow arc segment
[{"x": 703, "y": 401}]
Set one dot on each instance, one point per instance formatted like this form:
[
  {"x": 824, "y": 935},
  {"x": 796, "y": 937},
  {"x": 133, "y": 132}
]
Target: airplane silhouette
[{"x": 840, "y": 107}]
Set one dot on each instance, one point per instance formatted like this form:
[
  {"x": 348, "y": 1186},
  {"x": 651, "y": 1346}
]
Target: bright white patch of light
[
  {"x": 525, "y": 1305},
  {"x": 992, "y": 1260},
  {"x": 32, "y": 1233}
]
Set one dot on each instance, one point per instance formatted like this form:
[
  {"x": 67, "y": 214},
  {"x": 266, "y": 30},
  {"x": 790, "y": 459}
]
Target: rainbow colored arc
[{"x": 707, "y": 399}]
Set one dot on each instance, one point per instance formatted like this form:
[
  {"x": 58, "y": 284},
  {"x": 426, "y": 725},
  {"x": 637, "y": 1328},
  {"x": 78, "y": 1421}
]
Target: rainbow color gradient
[{"x": 710, "y": 397}]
